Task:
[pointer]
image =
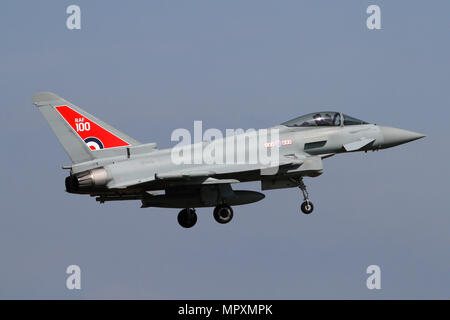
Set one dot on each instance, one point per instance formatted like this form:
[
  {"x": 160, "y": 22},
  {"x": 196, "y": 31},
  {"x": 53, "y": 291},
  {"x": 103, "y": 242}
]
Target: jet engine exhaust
[{"x": 88, "y": 179}]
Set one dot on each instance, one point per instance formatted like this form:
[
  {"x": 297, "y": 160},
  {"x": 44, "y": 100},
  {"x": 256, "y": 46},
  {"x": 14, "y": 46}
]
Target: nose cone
[{"x": 393, "y": 136}]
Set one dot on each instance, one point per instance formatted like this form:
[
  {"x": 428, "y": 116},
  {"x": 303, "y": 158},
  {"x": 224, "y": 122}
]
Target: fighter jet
[{"x": 112, "y": 166}]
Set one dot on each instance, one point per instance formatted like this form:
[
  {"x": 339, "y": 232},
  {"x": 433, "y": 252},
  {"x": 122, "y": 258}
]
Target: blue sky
[{"x": 149, "y": 67}]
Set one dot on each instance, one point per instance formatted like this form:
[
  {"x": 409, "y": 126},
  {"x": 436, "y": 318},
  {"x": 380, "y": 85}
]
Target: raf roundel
[{"x": 94, "y": 143}]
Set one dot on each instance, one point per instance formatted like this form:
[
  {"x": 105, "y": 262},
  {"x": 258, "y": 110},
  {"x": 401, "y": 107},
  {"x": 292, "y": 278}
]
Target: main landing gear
[
  {"x": 307, "y": 206},
  {"x": 223, "y": 214},
  {"x": 187, "y": 218}
]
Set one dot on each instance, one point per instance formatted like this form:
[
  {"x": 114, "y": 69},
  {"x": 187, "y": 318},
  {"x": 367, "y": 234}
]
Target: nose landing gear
[{"x": 307, "y": 206}]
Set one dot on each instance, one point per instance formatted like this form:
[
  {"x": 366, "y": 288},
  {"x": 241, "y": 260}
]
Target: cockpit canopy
[{"x": 323, "y": 119}]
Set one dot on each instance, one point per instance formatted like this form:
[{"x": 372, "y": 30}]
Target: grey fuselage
[
  {"x": 112, "y": 166},
  {"x": 141, "y": 169}
]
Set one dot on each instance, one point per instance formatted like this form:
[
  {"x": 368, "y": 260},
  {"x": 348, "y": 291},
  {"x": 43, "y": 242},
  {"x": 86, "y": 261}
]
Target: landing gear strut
[
  {"x": 223, "y": 214},
  {"x": 307, "y": 206},
  {"x": 187, "y": 218}
]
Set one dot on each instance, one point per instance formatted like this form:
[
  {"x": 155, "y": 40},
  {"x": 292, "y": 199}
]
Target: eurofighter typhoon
[{"x": 112, "y": 166}]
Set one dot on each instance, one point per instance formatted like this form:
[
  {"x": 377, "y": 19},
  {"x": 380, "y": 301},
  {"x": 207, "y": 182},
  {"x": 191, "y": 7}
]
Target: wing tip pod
[{"x": 41, "y": 98}]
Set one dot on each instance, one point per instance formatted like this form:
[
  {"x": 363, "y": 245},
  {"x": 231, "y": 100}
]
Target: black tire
[
  {"x": 307, "y": 207},
  {"x": 223, "y": 214},
  {"x": 187, "y": 218}
]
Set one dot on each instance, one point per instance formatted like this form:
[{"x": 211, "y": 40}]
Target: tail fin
[{"x": 79, "y": 132}]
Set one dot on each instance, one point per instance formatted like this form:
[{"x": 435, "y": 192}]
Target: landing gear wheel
[
  {"x": 307, "y": 207},
  {"x": 187, "y": 218},
  {"x": 223, "y": 214}
]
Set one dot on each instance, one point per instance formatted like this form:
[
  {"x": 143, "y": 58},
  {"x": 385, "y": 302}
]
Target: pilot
[
  {"x": 337, "y": 119},
  {"x": 318, "y": 119},
  {"x": 327, "y": 120}
]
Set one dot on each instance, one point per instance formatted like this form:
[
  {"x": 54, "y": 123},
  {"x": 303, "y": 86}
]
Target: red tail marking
[{"x": 87, "y": 128}]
